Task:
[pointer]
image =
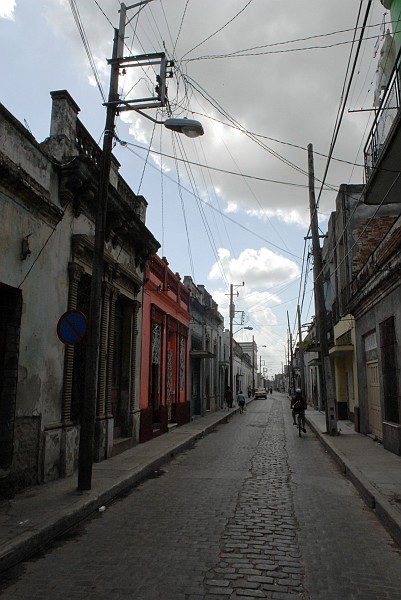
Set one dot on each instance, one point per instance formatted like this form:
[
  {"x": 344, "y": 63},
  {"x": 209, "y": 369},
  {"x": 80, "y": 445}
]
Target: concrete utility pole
[
  {"x": 321, "y": 315},
  {"x": 301, "y": 352}
]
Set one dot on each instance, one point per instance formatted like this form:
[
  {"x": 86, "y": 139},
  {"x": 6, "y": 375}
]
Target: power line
[
  {"x": 343, "y": 103},
  {"x": 220, "y": 29},
  {"x": 296, "y": 40},
  {"x": 218, "y": 107},
  {"x": 217, "y": 169},
  {"x": 225, "y": 216},
  {"x": 79, "y": 24},
  {"x": 268, "y": 52}
]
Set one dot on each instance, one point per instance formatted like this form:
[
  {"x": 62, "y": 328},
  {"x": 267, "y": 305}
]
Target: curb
[{"x": 382, "y": 508}]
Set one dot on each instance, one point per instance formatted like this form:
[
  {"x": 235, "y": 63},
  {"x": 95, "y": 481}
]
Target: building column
[
  {"x": 104, "y": 351},
  {"x": 104, "y": 421},
  {"x": 134, "y": 416},
  {"x": 114, "y": 293},
  {"x": 108, "y": 370}
]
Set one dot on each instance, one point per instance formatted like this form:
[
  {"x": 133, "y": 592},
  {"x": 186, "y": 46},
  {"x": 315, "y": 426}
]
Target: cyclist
[{"x": 298, "y": 406}]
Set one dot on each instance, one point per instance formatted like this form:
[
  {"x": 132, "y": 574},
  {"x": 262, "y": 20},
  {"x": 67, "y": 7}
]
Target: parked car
[{"x": 261, "y": 393}]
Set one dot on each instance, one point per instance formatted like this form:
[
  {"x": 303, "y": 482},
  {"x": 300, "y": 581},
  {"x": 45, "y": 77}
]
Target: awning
[
  {"x": 341, "y": 350},
  {"x": 201, "y": 354}
]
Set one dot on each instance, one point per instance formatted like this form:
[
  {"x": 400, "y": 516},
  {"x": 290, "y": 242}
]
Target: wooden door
[{"x": 374, "y": 404}]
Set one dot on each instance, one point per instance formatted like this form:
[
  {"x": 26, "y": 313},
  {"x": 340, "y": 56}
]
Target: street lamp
[{"x": 188, "y": 127}]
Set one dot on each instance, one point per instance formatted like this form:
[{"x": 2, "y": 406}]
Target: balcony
[{"x": 383, "y": 147}]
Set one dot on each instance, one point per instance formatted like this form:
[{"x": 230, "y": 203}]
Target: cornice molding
[{"x": 35, "y": 198}]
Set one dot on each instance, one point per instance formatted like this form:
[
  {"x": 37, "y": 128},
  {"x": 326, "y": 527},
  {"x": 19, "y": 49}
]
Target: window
[
  {"x": 183, "y": 346},
  {"x": 155, "y": 372}
]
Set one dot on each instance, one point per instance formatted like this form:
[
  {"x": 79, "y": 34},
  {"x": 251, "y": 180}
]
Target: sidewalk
[
  {"x": 38, "y": 515},
  {"x": 375, "y": 472}
]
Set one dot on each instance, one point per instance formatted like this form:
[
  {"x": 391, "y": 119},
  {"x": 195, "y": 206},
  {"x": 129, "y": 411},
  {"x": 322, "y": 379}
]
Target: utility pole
[
  {"x": 115, "y": 105},
  {"x": 93, "y": 340},
  {"x": 232, "y": 312},
  {"x": 290, "y": 357},
  {"x": 232, "y": 315},
  {"x": 253, "y": 365},
  {"x": 327, "y": 382},
  {"x": 301, "y": 352}
]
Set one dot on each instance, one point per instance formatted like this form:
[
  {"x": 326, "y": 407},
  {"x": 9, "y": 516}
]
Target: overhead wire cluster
[
  {"x": 344, "y": 97},
  {"x": 187, "y": 87}
]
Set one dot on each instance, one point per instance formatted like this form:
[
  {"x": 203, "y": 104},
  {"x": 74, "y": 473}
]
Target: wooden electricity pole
[
  {"x": 88, "y": 410},
  {"x": 321, "y": 315},
  {"x": 232, "y": 313}
]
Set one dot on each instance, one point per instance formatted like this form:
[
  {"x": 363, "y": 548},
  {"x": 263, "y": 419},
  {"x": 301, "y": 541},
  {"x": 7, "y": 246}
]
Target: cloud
[
  {"x": 266, "y": 276},
  {"x": 258, "y": 307},
  {"x": 258, "y": 268},
  {"x": 288, "y": 96},
  {"x": 7, "y": 9},
  {"x": 259, "y": 113}
]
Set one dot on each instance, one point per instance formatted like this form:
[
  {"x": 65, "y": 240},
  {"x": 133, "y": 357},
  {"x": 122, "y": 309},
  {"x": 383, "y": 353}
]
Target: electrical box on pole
[{"x": 160, "y": 99}]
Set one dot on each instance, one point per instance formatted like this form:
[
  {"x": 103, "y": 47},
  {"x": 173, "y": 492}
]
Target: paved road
[{"x": 251, "y": 512}]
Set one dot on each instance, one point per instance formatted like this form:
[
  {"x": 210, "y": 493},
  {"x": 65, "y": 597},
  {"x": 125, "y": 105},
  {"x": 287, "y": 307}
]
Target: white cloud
[
  {"x": 287, "y": 96},
  {"x": 7, "y": 8},
  {"x": 258, "y": 268}
]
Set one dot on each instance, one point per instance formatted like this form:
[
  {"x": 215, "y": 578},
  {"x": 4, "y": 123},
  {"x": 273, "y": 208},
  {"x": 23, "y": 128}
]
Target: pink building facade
[{"x": 164, "y": 399}]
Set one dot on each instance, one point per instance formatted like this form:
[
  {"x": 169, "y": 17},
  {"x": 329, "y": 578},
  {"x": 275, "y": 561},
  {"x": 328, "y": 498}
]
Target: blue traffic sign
[{"x": 71, "y": 327}]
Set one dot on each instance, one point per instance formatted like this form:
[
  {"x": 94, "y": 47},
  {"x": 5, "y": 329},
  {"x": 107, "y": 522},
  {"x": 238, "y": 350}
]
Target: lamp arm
[{"x": 148, "y": 116}]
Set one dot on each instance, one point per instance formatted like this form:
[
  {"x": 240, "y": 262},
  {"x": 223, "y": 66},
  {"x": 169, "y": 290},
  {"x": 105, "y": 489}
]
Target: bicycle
[{"x": 301, "y": 423}]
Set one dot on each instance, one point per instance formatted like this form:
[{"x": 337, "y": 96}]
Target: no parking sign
[{"x": 71, "y": 327}]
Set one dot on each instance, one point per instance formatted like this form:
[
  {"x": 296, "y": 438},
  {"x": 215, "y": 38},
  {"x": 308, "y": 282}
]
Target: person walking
[
  {"x": 241, "y": 401},
  {"x": 229, "y": 397}
]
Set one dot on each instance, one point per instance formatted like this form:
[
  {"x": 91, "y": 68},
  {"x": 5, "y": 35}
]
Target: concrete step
[{"x": 121, "y": 444}]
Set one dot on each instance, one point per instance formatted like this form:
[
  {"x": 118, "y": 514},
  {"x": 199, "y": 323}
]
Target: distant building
[{"x": 208, "y": 365}]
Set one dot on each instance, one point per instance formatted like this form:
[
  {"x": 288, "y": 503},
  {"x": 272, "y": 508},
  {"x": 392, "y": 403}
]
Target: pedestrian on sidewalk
[
  {"x": 241, "y": 401},
  {"x": 229, "y": 397}
]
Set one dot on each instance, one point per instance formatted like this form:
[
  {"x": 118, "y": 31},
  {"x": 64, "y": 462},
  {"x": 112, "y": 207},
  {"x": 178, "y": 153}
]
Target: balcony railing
[{"x": 385, "y": 116}]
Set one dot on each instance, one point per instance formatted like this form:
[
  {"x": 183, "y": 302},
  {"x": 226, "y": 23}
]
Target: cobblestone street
[{"x": 252, "y": 511}]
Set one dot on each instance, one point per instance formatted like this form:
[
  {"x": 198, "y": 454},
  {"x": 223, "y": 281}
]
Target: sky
[{"x": 265, "y": 78}]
